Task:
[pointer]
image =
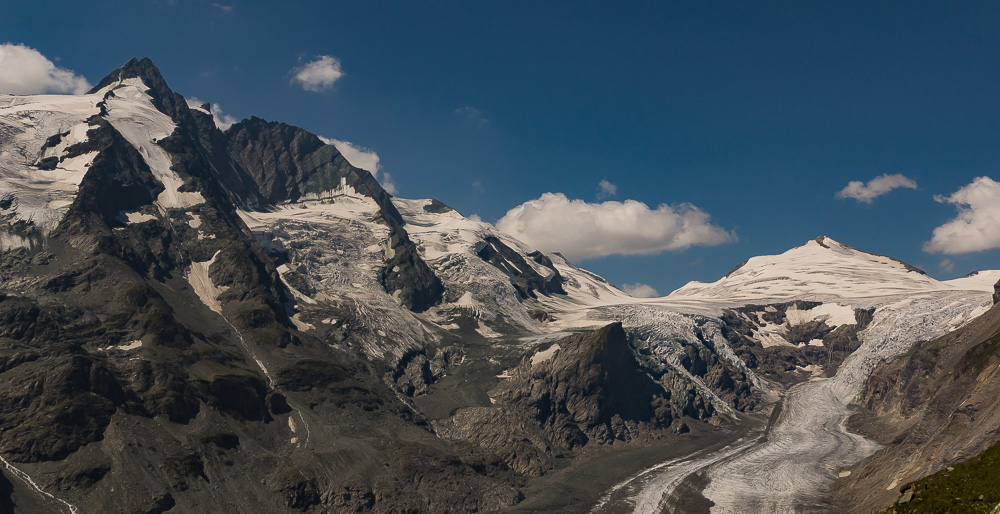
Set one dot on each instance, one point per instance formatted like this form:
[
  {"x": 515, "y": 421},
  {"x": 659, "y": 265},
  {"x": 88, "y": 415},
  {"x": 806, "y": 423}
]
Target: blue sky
[{"x": 755, "y": 115}]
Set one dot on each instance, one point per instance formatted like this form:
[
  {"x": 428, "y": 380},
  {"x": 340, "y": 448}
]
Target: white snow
[
  {"x": 131, "y": 345},
  {"x": 834, "y": 315},
  {"x": 978, "y": 281},
  {"x": 823, "y": 267},
  {"x": 26, "y": 122},
  {"x": 138, "y": 217},
  {"x": 545, "y": 354},
  {"x": 203, "y": 286},
  {"x": 132, "y": 114}
]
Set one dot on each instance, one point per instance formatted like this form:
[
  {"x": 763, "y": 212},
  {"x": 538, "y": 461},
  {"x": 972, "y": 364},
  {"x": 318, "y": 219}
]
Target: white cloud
[
  {"x": 475, "y": 115},
  {"x": 227, "y": 9},
  {"x": 388, "y": 184},
  {"x": 222, "y": 120},
  {"x": 358, "y": 156},
  {"x": 638, "y": 290},
  {"x": 25, "y": 71},
  {"x": 318, "y": 74},
  {"x": 875, "y": 187},
  {"x": 977, "y": 226},
  {"x": 606, "y": 189},
  {"x": 582, "y": 230},
  {"x": 364, "y": 158},
  {"x": 947, "y": 265}
]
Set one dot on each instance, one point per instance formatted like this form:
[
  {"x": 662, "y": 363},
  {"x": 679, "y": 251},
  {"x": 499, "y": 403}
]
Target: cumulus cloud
[
  {"x": 318, "y": 74},
  {"x": 25, "y": 71},
  {"x": 606, "y": 189},
  {"x": 639, "y": 290},
  {"x": 875, "y": 187},
  {"x": 582, "y": 230},
  {"x": 977, "y": 226},
  {"x": 222, "y": 120},
  {"x": 364, "y": 158}
]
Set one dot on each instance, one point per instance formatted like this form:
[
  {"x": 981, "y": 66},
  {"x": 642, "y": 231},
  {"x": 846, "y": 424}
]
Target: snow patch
[
  {"x": 544, "y": 355},
  {"x": 834, "y": 315},
  {"x": 131, "y": 112},
  {"x": 203, "y": 286}
]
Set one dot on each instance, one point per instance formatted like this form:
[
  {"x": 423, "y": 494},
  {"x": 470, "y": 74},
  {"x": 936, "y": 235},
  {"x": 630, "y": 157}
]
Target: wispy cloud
[
  {"x": 639, "y": 290},
  {"x": 583, "y": 230},
  {"x": 977, "y": 226},
  {"x": 228, "y": 9},
  {"x": 876, "y": 187},
  {"x": 25, "y": 71},
  {"x": 947, "y": 265},
  {"x": 474, "y": 115},
  {"x": 222, "y": 120},
  {"x": 319, "y": 74},
  {"x": 364, "y": 158},
  {"x": 606, "y": 189}
]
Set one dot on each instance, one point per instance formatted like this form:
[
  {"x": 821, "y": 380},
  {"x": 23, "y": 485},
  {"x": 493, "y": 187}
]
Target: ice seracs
[{"x": 38, "y": 182}]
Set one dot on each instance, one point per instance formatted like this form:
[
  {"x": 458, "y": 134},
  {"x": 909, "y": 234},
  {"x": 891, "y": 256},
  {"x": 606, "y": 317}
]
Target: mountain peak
[
  {"x": 164, "y": 98},
  {"x": 143, "y": 69},
  {"x": 820, "y": 266}
]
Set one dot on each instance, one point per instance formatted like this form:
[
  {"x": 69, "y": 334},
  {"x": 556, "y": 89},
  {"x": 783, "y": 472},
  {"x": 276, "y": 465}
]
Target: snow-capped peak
[{"x": 822, "y": 266}]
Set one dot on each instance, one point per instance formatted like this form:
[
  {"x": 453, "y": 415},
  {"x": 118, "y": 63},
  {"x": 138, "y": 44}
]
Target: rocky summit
[{"x": 198, "y": 320}]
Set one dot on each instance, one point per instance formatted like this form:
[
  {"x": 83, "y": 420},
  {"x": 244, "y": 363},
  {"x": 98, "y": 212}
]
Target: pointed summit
[{"x": 164, "y": 98}]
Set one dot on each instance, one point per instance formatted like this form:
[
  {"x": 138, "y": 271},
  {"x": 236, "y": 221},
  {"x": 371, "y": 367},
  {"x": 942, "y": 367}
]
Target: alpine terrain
[{"x": 197, "y": 320}]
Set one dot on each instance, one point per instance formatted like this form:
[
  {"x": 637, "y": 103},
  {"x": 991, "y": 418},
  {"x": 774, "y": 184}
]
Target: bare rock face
[
  {"x": 996, "y": 292},
  {"x": 523, "y": 277},
  {"x": 584, "y": 389},
  {"x": 288, "y": 164},
  {"x": 932, "y": 408},
  {"x": 591, "y": 387},
  {"x": 125, "y": 388},
  {"x": 780, "y": 362}
]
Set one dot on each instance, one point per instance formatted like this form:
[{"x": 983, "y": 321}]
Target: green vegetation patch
[
  {"x": 971, "y": 486},
  {"x": 979, "y": 356}
]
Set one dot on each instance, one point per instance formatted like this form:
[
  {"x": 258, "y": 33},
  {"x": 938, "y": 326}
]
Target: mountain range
[{"x": 201, "y": 320}]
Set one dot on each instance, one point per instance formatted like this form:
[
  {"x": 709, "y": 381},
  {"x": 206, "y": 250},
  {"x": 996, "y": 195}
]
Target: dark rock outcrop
[
  {"x": 583, "y": 389},
  {"x": 288, "y": 164},
  {"x": 523, "y": 277}
]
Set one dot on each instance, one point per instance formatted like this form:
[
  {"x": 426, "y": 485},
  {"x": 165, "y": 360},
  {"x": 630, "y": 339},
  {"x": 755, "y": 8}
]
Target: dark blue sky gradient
[{"x": 756, "y": 114}]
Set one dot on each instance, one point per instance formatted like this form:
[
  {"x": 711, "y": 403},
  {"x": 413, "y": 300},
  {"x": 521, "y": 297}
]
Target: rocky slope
[
  {"x": 146, "y": 340},
  {"x": 932, "y": 408}
]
